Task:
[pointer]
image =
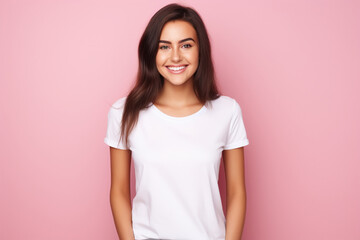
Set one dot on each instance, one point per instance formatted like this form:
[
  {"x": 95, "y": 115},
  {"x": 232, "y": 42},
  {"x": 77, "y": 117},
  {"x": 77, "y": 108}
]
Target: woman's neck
[{"x": 177, "y": 95}]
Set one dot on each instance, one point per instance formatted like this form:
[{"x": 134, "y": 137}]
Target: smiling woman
[
  {"x": 178, "y": 55},
  {"x": 176, "y": 126}
]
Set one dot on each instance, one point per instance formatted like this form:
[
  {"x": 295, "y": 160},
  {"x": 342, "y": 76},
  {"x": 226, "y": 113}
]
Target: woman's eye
[
  {"x": 163, "y": 47},
  {"x": 187, "y": 45}
]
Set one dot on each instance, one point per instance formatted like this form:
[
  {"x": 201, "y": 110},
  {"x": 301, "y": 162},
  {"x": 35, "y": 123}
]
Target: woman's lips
[{"x": 176, "y": 70}]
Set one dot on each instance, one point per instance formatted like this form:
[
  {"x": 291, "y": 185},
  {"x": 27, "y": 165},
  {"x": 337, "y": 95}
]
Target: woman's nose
[{"x": 175, "y": 55}]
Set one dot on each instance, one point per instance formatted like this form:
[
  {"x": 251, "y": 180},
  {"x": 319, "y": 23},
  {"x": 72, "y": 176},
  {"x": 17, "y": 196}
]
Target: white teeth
[{"x": 176, "y": 68}]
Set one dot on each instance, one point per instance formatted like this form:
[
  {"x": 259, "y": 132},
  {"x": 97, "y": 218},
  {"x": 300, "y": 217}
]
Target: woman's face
[{"x": 178, "y": 54}]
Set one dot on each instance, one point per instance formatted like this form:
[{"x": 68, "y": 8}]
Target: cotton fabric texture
[{"x": 176, "y": 161}]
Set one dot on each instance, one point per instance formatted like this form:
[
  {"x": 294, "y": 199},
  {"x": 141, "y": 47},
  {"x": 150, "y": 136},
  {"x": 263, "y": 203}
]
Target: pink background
[{"x": 292, "y": 65}]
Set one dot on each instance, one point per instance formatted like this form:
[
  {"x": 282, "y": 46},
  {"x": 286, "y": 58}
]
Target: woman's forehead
[{"x": 177, "y": 30}]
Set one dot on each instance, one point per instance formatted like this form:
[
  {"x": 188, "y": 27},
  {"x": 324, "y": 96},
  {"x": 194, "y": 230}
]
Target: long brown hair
[{"x": 149, "y": 81}]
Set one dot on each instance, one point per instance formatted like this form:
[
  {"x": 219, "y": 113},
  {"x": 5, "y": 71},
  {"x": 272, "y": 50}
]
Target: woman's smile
[{"x": 176, "y": 69}]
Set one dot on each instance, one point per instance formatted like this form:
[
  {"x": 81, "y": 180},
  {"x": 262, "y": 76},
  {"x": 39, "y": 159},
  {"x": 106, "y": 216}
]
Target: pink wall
[{"x": 292, "y": 65}]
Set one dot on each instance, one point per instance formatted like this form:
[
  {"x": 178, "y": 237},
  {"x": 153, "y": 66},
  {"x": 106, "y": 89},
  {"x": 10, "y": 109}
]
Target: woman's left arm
[{"x": 235, "y": 192}]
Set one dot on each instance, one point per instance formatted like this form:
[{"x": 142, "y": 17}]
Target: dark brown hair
[{"x": 149, "y": 81}]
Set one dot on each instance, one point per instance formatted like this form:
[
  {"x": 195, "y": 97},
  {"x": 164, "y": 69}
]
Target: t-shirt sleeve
[
  {"x": 113, "y": 129},
  {"x": 236, "y": 136}
]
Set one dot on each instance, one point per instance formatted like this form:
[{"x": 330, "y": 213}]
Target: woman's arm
[
  {"x": 235, "y": 192},
  {"x": 120, "y": 199}
]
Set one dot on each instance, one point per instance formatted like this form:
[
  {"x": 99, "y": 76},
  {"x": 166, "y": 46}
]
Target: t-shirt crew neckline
[{"x": 166, "y": 116}]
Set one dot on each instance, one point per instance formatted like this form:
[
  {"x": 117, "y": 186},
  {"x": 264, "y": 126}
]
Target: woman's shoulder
[
  {"x": 224, "y": 101},
  {"x": 117, "y": 107},
  {"x": 119, "y": 103}
]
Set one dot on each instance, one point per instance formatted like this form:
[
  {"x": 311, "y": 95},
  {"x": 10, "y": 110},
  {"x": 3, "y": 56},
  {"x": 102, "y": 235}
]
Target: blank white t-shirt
[{"x": 176, "y": 161}]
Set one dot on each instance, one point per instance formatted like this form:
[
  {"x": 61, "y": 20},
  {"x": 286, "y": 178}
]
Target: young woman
[{"x": 176, "y": 126}]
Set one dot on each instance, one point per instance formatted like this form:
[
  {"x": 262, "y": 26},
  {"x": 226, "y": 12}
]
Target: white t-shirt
[{"x": 176, "y": 161}]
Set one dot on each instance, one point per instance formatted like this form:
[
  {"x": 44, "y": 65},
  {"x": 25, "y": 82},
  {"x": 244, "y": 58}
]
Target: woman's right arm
[{"x": 120, "y": 199}]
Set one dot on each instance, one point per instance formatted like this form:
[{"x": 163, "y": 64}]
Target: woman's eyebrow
[{"x": 184, "y": 40}]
